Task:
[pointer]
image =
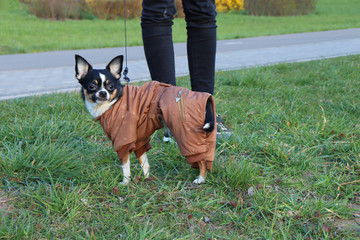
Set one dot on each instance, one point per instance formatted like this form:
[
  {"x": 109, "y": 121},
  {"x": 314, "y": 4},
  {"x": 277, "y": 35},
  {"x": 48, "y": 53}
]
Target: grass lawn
[
  {"x": 24, "y": 33},
  {"x": 290, "y": 171}
]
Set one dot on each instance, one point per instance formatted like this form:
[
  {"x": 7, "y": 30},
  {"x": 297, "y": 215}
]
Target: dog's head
[{"x": 100, "y": 87}]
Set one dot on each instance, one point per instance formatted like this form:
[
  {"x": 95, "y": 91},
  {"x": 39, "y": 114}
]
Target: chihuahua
[{"x": 130, "y": 114}]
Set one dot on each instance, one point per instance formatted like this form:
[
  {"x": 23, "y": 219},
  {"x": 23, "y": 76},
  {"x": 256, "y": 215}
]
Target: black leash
[{"x": 126, "y": 70}]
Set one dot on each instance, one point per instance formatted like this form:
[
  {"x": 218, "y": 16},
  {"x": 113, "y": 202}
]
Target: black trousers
[{"x": 156, "y": 22}]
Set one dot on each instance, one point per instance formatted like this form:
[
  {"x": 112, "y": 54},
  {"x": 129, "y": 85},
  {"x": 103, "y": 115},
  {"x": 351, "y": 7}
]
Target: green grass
[
  {"x": 295, "y": 144},
  {"x": 24, "y": 33}
]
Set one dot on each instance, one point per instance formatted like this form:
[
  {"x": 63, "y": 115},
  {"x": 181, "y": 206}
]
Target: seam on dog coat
[{"x": 131, "y": 121}]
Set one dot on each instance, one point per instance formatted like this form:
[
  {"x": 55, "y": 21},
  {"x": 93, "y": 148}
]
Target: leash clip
[{"x": 126, "y": 78}]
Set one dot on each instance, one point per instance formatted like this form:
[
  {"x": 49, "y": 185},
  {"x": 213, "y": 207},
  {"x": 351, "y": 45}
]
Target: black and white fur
[{"x": 101, "y": 88}]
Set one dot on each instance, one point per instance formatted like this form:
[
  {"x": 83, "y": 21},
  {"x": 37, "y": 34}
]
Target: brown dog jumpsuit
[{"x": 140, "y": 111}]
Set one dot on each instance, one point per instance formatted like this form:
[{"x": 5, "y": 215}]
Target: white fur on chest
[{"x": 97, "y": 109}]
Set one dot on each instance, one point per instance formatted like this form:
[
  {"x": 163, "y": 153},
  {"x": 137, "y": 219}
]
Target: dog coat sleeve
[
  {"x": 130, "y": 122},
  {"x": 119, "y": 125}
]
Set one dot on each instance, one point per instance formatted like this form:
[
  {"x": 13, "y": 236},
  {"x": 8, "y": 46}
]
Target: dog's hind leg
[
  {"x": 144, "y": 164},
  {"x": 126, "y": 169},
  {"x": 201, "y": 178}
]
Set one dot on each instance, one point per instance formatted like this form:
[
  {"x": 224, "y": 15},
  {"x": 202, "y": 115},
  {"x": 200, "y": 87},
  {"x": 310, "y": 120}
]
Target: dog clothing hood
[{"x": 140, "y": 111}]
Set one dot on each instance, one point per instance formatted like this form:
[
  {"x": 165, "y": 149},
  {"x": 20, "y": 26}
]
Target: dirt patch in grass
[
  {"x": 351, "y": 224},
  {"x": 5, "y": 202}
]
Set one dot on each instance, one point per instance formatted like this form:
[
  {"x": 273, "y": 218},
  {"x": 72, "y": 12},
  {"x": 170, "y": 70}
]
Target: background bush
[
  {"x": 229, "y": 5},
  {"x": 112, "y": 9},
  {"x": 106, "y": 9},
  {"x": 279, "y": 7},
  {"x": 79, "y": 9},
  {"x": 55, "y": 9}
]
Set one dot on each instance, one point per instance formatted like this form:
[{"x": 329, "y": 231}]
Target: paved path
[{"x": 38, "y": 73}]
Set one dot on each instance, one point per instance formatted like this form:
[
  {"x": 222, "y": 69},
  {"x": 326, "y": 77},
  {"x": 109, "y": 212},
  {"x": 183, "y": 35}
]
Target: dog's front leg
[
  {"x": 125, "y": 161},
  {"x": 144, "y": 164},
  {"x": 202, "y": 176}
]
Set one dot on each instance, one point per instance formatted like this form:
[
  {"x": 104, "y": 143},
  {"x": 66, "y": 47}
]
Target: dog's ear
[
  {"x": 82, "y": 67},
  {"x": 115, "y": 66}
]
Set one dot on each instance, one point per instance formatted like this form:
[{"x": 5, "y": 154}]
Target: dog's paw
[
  {"x": 199, "y": 180},
  {"x": 125, "y": 181}
]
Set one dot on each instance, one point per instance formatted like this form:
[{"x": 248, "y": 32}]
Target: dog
[{"x": 130, "y": 114}]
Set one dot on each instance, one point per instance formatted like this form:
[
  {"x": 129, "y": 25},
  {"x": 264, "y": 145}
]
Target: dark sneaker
[{"x": 223, "y": 133}]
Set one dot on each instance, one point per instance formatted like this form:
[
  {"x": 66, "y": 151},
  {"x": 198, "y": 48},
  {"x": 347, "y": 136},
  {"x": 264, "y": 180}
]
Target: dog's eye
[
  {"x": 92, "y": 87},
  {"x": 110, "y": 87}
]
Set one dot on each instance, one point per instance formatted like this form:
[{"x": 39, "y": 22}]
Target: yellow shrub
[{"x": 229, "y": 5}]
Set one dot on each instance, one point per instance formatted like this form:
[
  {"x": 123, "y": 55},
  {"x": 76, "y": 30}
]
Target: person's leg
[
  {"x": 201, "y": 43},
  {"x": 156, "y": 22},
  {"x": 200, "y": 16}
]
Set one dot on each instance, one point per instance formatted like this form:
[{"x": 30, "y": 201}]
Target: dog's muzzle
[{"x": 102, "y": 96}]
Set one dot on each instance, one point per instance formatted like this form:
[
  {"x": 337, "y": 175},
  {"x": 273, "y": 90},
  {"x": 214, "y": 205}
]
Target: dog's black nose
[{"x": 102, "y": 94}]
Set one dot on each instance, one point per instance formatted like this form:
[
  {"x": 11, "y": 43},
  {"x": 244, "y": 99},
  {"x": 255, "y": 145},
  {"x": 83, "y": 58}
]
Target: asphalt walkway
[{"x": 40, "y": 73}]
